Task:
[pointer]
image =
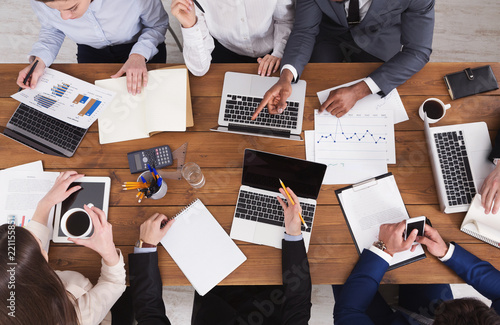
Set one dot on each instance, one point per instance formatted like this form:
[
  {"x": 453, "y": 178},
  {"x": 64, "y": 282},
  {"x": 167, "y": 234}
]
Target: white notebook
[
  {"x": 485, "y": 227},
  {"x": 201, "y": 247}
]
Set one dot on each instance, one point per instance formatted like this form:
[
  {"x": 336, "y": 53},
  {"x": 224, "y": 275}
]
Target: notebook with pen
[
  {"x": 369, "y": 204},
  {"x": 201, "y": 247},
  {"x": 485, "y": 227}
]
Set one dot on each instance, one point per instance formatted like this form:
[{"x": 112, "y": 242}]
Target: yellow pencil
[{"x": 293, "y": 203}]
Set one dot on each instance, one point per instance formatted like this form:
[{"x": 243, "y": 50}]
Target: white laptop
[
  {"x": 459, "y": 159},
  {"x": 241, "y": 95},
  {"x": 258, "y": 217}
]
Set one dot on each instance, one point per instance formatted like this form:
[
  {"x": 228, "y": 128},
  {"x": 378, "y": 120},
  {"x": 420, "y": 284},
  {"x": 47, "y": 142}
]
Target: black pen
[
  {"x": 199, "y": 6},
  {"x": 29, "y": 74}
]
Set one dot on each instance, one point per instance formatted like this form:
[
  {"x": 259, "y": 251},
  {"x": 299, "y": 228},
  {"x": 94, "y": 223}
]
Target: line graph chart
[{"x": 339, "y": 132}]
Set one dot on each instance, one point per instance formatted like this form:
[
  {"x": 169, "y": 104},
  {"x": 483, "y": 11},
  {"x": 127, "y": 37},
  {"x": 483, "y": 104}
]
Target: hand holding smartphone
[{"x": 415, "y": 223}]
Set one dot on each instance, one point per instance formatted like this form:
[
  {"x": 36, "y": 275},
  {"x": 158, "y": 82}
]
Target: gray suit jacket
[{"x": 397, "y": 32}]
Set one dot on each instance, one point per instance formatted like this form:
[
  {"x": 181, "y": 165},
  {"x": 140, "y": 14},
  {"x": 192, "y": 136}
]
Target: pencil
[
  {"x": 29, "y": 74},
  {"x": 141, "y": 196},
  {"x": 293, "y": 203}
]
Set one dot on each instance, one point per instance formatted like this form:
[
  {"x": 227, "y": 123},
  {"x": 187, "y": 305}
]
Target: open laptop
[
  {"x": 459, "y": 159},
  {"x": 258, "y": 217},
  {"x": 241, "y": 95},
  {"x": 42, "y": 132}
]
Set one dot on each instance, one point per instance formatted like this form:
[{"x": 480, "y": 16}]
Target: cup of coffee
[
  {"x": 434, "y": 108},
  {"x": 76, "y": 223}
]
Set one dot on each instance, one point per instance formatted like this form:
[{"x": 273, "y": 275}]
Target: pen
[
  {"x": 29, "y": 74},
  {"x": 293, "y": 203},
  {"x": 152, "y": 172},
  {"x": 199, "y": 6}
]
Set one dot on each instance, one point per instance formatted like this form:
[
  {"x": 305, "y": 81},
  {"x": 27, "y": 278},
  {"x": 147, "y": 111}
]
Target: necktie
[{"x": 353, "y": 16}]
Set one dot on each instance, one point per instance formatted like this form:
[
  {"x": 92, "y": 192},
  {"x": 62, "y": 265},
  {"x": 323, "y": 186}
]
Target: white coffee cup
[
  {"x": 434, "y": 108},
  {"x": 80, "y": 223}
]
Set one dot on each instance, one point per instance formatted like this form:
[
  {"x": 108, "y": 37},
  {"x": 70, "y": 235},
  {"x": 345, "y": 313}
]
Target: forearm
[
  {"x": 198, "y": 46},
  {"x": 42, "y": 212},
  {"x": 283, "y": 17},
  {"x": 48, "y": 45},
  {"x": 155, "y": 21}
]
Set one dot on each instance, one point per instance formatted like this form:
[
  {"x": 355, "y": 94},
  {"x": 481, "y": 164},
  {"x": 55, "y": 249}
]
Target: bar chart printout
[
  {"x": 44, "y": 101},
  {"x": 60, "y": 89}
]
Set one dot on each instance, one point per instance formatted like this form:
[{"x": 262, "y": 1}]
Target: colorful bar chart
[
  {"x": 60, "y": 89},
  {"x": 90, "y": 107},
  {"x": 80, "y": 99},
  {"x": 44, "y": 101}
]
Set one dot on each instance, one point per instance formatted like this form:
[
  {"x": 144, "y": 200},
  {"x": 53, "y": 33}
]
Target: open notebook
[
  {"x": 201, "y": 247},
  {"x": 485, "y": 227}
]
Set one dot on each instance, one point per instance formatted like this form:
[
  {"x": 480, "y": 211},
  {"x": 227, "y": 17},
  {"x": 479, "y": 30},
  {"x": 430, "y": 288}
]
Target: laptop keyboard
[
  {"x": 240, "y": 109},
  {"x": 62, "y": 134},
  {"x": 267, "y": 209},
  {"x": 455, "y": 167}
]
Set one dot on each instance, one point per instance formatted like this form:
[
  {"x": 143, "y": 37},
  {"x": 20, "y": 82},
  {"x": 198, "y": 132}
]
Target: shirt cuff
[
  {"x": 141, "y": 250},
  {"x": 448, "y": 254},
  {"x": 292, "y": 69},
  {"x": 386, "y": 256},
  {"x": 293, "y": 238},
  {"x": 147, "y": 52},
  {"x": 374, "y": 88}
]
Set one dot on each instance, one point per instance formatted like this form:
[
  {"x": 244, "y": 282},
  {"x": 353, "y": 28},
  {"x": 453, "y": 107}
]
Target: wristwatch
[
  {"x": 141, "y": 244},
  {"x": 380, "y": 245}
]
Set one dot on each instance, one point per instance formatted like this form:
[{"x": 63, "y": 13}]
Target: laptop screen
[{"x": 263, "y": 170}]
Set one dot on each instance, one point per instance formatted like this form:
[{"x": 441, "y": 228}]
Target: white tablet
[{"x": 94, "y": 190}]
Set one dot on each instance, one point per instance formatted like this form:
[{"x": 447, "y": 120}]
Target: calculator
[{"x": 159, "y": 157}]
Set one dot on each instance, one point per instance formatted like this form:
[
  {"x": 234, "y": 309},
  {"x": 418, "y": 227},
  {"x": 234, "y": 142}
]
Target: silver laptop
[
  {"x": 258, "y": 217},
  {"x": 241, "y": 95},
  {"x": 459, "y": 159}
]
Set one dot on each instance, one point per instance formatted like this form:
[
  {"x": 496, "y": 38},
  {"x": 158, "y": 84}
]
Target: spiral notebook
[
  {"x": 201, "y": 247},
  {"x": 485, "y": 227}
]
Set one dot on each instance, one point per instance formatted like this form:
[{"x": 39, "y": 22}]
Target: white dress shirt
[
  {"x": 364, "y": 5},
  {"x": 105, "y": 23},
  {"x": 247, "y": 27}
]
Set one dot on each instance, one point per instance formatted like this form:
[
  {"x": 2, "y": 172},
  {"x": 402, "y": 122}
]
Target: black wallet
[{"x": 470, "y": 82}]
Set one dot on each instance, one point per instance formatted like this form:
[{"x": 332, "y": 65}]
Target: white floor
[{"x": 464, "y": 31}]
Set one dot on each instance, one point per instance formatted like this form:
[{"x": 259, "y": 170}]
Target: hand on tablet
[
  {"x": 59, "y": 191},
  {"x": 392, "y": 236},
  {"x": 152, "y": 230}
]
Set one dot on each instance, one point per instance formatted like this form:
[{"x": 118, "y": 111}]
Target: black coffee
[
  {"x": 78, "y": 223},
  {"x": 433, "y": 109}
]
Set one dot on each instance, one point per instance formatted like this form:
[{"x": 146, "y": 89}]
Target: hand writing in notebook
[
  {"x": 392, "y": 236},
  {"x": 155, "y": 228},
  {"x": 292, "y": 213},
  {"x": 433, "y": 241},
  {"x": 489, "y": 192}
]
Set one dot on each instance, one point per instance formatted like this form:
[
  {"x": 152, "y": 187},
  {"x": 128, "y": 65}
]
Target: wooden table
[{"x": 332, "y": 254}]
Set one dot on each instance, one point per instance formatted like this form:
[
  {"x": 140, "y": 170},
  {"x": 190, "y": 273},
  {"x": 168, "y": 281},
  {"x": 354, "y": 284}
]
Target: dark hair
[
  {"x": 465, "y": 311},
  {"x": 34, "y": 292}
]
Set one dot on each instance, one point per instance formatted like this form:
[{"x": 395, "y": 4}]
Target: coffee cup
[
  {"x": 76, "y": 223},
  {"x": 434, "y": 108}
]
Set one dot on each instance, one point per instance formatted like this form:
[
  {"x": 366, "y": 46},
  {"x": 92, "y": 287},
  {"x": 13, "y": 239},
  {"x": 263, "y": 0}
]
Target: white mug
[
  {"x": 434, "y": 108},
  {"x": 69, "y": 213}
]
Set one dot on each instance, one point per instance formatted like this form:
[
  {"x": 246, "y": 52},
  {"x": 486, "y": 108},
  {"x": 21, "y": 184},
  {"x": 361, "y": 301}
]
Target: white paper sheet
[
  {"x": 373, "y": 102},
  {"x": 66, "y": 98}
]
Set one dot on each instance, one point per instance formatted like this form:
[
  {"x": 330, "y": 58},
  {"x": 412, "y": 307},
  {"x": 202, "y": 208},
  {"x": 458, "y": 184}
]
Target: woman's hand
[{"x": 268, "y": 64}]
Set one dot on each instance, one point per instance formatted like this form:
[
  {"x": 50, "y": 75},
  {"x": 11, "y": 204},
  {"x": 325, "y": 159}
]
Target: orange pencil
[{"x": 293, "y": 203}]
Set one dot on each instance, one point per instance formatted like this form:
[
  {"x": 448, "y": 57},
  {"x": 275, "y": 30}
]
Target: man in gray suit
[{"x": 398, "y": 33}]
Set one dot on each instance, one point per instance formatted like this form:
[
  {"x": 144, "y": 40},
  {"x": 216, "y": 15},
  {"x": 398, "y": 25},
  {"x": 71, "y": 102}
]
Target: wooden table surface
[{"x": 332, "y": 254}]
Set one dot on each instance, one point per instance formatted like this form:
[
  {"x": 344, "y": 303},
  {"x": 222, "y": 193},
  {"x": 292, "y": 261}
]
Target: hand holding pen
[
  {"x": 292, "y": 212},
  {"x": 28, "y": 77}
]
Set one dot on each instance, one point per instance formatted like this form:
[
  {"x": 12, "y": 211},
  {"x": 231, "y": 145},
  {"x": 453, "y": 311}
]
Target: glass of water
[{"x": 193, "y": 175}]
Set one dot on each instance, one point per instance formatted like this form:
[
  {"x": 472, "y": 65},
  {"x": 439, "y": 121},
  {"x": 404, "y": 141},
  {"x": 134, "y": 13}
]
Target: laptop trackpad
[
  {"x": 269, "y": 235},
  {"x": 242, "y": 229}
]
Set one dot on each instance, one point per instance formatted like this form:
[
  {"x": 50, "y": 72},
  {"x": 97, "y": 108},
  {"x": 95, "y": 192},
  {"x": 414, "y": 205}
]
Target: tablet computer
[{"x": 94, "y": 190}]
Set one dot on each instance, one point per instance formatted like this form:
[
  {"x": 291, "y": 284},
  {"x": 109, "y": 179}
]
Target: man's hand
[
  {"x": 184, "y": 11},
  {"x": 292, "y": 218},
  {"x": 33, "y": 80},
  {"x": 137, "y": 73},
  {"x": 490, "y": 190},
  {"x": 152, "y": 231},
  {"x": 433, "y": 241},
  {"x": 392, "y": 236},
  {"x": 268, "y": 64},
  {"x": 341, "y": 100},
  {"x": 275, "y": 98}
]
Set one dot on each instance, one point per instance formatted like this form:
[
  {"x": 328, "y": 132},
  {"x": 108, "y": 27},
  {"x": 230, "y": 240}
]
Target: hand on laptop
[
  {"x": 152, "y": 231},
  {"x": 33, "y": 80},
  {"x": 392, "y": 236},
  {"x": 292, "y": 218},
  {"x": 490, "y": 191},
  {"x": 341, "y": 100},
  {"x": 275, "y": 98}
]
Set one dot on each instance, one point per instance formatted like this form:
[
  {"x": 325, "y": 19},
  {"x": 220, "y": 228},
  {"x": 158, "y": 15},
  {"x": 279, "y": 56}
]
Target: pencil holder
[{"x": 161, "y": 191}]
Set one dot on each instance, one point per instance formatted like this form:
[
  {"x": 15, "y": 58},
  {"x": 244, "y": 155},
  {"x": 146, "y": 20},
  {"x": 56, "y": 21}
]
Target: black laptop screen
[{"x": 263, "y": 170}]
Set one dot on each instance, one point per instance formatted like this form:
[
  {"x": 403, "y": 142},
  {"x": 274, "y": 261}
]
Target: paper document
[
  {"x": 485, "y": 227},
  {"x": 373, "y": 102},
  {"x": 368, "y": 206},
  {"x": 161, "y": 106},
  {"x": 343, "y": 171},
  {"x": 66, "y": 98}
]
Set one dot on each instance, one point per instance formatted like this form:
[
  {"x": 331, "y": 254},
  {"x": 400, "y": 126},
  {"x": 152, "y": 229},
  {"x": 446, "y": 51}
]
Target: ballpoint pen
[
  {"x": 293, "y": 203},
  {"x": 29, "y": 74}
]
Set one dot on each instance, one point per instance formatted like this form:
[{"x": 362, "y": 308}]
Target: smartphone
[{"x": 415, "y": 223}]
